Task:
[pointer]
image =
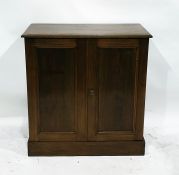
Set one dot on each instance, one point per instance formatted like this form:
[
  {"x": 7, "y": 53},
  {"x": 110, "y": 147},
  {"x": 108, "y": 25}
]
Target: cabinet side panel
[
  {"x": 141, "y": 87},
  {"x": 32, "y": 90}
]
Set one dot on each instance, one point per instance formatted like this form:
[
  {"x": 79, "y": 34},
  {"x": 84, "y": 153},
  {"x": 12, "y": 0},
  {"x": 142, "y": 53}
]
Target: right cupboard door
[{"x": 113, "y": 85}]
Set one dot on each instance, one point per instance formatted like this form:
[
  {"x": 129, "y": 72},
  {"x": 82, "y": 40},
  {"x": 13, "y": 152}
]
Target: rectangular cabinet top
[{"x": 86, "y": 31}]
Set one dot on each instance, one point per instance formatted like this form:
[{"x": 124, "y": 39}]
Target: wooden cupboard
[{"x": 86, "y": 88}]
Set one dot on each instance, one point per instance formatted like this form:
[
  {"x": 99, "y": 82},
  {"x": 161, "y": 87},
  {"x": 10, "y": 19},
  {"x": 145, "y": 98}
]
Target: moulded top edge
[{"x": 86, "y": 31}]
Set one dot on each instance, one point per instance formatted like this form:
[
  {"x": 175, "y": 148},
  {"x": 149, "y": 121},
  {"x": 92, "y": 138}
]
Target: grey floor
[{"x": 162, "y": 153}]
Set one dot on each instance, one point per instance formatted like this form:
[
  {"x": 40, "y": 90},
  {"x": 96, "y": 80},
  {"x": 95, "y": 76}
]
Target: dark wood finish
[
  {"x": 55, "y": 77},
  {"x": 86, "y": 148},
  {"x": 113, "y": 76},
  {"x": 57, "y": 89},
  {"x": 140, "y": 103},
  {"x": 86, "y": 31},
  {"x": 86, "y": 89}
]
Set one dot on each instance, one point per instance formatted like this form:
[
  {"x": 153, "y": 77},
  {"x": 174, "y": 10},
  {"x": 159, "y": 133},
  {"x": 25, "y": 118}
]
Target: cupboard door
[
  {"x": 56, "y": 89},
  {"x": 112, "y": 94}
]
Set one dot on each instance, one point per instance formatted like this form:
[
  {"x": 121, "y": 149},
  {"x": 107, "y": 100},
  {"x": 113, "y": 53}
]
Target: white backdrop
[{"x": 160, "y": 18}]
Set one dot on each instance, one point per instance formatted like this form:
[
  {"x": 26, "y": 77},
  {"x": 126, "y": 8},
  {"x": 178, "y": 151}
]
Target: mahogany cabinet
[{"x": 86, "y": 88}]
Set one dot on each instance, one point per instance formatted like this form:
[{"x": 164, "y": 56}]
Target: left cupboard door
[{"x": 56, "y": 89}]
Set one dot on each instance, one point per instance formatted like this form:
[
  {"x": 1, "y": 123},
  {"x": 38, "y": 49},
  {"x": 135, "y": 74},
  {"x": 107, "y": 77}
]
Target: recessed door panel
[
  {"x": 57, "y": 89},
  {"x": 116, "y": 84}
]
